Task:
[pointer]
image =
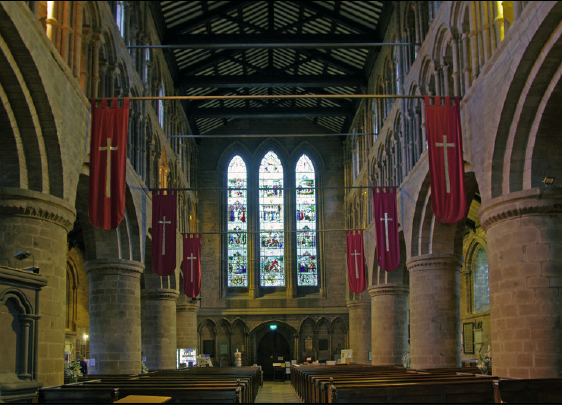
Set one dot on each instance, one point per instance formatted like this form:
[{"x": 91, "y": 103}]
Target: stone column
[
  {"x": 39, "y": 223},
  {"x": 435, "y": 311},
  {"x": 389, "y": 323},
  {"x": 524, "y": 236},
  {"x": 158, "y": 317},
  {"x": 360, "y": 330},
  {"x": 115, "y": 321},
  {"x": 186, "y": 321}
]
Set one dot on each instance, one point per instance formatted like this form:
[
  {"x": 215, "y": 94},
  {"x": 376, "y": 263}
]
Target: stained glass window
[
  {"x": 237, "y": 235},
  {"x": 307, "y": 258},
  {"x": 272, "y": 267}
]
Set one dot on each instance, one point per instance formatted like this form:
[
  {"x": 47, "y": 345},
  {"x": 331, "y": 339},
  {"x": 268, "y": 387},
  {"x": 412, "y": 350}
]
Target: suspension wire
[
  {"x": 266, "y": 231},
  {"x": 264, "y": 96},
  {"x": 270, "y": 135},
  {"x": 262, "y": 188},
  {"x": 227, "y": 45}
]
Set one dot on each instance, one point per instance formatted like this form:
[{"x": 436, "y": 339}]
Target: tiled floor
[{"x": 277, "y": 392}]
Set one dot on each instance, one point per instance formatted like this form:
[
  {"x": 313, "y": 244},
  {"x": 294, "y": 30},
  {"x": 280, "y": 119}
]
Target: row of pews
[
  {"x": 190, "y": 385},
  {"x": 392, "y": 384}
]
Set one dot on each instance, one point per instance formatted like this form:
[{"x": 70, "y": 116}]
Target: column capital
[
  {"x": 434, "y": 261},
  {"x": 525, "y": 202},
  {"x": 358, "y": 304},
  {"x": 104, "y": 267},
  {"x": 33, "y": 204},
  {"x": 389, "y": 289},
  {"x": 187, "y": 307},
  {"x": 160, "y": 294}
]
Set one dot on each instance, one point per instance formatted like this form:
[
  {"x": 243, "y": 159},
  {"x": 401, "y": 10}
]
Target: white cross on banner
[
  {"x": 386, "y": 219},
  {"x": 164, "y": 222},
  {"x": 355, "y": 254},
  {"x": 446, "y": 145},
  {"x": 191, "y": 258},
  {"x": 109, "y": 149}
]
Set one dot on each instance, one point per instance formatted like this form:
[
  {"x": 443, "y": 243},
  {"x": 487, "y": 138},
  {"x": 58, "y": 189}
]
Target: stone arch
[
  {"x": 27, "y": 120},
  {"x": 239, "y": 339},
  {"x": 520, "y": 159},
  {"x": 20, "y": 299},
  {"x": 274, "y": 146},
  {"x": 339, "y": 337}
]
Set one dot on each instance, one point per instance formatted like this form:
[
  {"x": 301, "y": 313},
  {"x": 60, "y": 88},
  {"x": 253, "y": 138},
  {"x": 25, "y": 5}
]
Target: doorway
[{"x": 273, "y": 348}]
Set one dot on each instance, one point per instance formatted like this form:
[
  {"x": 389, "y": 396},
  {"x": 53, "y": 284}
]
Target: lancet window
[
  {"x": 237, "y": 236},
  {"x": 307, "y": 258},
  {"x": 271, "y": 211}
]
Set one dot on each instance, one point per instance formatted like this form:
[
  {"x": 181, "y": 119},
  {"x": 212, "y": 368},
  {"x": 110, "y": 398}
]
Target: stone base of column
[
  {"x": 115, "y": 316},
  {"x": 389, "y": 324}
]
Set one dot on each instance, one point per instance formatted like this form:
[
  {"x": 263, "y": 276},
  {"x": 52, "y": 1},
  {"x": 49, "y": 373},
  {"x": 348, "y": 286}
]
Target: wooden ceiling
[{"x": 226, "y": 48}]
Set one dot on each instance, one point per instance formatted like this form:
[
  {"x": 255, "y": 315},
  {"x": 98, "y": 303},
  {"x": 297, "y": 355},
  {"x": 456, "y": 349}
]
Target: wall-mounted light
[
  {"x": 273, "y": 326},
  {"x": 24, "y": 254},
  {"x": 548, "y": 181},
  {"x": 85, "y": 336}
]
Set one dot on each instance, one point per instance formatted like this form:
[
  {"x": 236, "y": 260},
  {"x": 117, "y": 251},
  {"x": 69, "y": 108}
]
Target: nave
[{"x": 280, "y": 392}]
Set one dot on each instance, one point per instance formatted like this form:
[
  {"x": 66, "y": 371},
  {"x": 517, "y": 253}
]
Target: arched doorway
[{"x": 272, "y": 348}]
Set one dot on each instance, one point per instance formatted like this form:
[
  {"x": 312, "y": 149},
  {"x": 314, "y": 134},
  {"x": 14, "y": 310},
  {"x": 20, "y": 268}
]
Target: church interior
[{"x": 275, "y": 124}]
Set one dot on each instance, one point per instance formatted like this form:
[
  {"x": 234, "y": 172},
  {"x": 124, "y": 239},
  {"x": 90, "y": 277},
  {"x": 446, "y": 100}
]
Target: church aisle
[{"x": 276, "y": 393}]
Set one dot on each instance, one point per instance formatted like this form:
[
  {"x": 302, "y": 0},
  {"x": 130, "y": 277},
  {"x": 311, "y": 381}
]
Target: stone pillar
[
  {"x": 360, "y": 330},
  {"x": 389, "y": 323},
  {"x": 158, "y": 316},
  {"x": 435, "y": 311},
  {"x": 186, "y": 321},
  {"x": 524, "y": 236},
  {"x": 39, "y": 223},
  {"x": 115, "y": 321}
]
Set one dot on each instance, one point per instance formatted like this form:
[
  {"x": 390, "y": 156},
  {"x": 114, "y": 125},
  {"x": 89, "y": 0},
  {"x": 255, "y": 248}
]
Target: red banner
[
  {"x": 164, "y": 212},
  {"x": 386, "y": 228},
  {"x": 446, "y": 166},
  {"x": 355, "y": 260},
  {"x": 192, "y": 265},
  {"x": 108, "y": 157}
]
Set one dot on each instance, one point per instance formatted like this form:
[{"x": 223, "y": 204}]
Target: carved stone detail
[
  {"x": 389, "y": 289},
  {"x": 525, "y": 202},
  {"x": 29, "y": 203},
  {"x": 105, "y": 267},
  {"x": 170, "y": 295}
]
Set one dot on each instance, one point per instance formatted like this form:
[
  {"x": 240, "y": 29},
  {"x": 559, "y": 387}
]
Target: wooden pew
[
  {"x": 531, "y": 391},
  {"x": 321, "y": 394},
  {"x": 55, "y": 395},
  {"x": 468, "y": 391}
]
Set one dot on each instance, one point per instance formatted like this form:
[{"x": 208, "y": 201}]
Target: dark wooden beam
[
  {"x": 271, "y": 40},
  {"x": 266, "y": 112},
  {"x": 261, "y": 81}
]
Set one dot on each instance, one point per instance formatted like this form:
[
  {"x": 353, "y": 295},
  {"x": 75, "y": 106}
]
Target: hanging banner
[
  {"x": 446, "y": 166},
  {"x": 164, "y": 213},
  {"x": 355, "y": 260},
  {"x": 386, "y": 227},
  {"x": 108, "y": 156},
  {"x": 192, "y": 265}
]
